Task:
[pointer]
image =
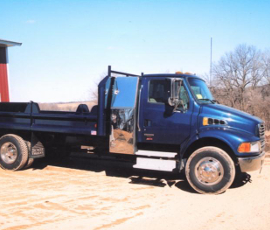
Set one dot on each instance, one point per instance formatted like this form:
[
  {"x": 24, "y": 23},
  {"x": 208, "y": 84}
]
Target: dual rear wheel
[{"x": 14, "y": 153}]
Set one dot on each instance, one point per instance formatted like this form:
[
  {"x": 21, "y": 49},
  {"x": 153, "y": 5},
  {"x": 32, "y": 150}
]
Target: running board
[
  {"x": 155, "y": 164},
  {"x": 155, "y": 153}
]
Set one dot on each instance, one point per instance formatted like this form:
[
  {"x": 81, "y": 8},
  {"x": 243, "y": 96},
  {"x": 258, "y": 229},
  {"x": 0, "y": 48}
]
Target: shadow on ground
[
  {"x": 124, "y": 169},
  {"x": 241, "y": 180}
]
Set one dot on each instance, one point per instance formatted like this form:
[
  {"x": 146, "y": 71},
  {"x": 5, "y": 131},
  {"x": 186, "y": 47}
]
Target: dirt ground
[{"x": 81, "y": 194}]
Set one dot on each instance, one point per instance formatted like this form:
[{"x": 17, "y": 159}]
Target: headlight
[{"x": 249, "y": 147}]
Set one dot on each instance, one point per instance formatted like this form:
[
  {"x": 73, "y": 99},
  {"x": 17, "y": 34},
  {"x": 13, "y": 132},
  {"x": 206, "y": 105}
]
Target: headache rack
[{"x": 110, "y": 71}]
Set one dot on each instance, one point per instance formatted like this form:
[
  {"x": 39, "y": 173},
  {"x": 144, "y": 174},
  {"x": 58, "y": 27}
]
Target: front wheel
[{"x": 210, "y": 170}]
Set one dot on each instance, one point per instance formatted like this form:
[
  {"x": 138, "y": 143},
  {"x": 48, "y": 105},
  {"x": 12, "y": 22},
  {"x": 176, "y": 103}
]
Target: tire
[
  {"x": 30, "y": 161},
  {"x": 210, "y": 170},
  {"x": 13, "y": 152}
]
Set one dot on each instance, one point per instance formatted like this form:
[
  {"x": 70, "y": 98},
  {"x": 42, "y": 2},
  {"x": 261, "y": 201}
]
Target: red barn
[{"x": 4, "y": 87}]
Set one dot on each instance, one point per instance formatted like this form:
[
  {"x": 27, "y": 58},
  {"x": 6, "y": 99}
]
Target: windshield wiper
[{"x": 207, "y": 99}]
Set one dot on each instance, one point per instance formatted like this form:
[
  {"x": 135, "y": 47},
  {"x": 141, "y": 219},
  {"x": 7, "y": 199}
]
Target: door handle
[{"x": 147, "y": 123}]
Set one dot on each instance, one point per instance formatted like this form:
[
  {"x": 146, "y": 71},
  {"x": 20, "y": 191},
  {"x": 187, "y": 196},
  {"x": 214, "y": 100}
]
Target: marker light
[
  {"x": 205, "y": 121},
  {"x": 212, "y": 121}
]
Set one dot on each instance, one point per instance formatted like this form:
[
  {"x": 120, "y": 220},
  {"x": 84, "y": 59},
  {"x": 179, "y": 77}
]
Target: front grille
[{"x": 261, "y": 130}]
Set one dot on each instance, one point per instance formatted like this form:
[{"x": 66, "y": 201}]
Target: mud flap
[{"x": 37, "y": 149}]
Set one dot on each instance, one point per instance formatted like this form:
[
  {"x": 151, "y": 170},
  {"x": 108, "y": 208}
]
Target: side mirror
[{"x": 174, "y": 98}]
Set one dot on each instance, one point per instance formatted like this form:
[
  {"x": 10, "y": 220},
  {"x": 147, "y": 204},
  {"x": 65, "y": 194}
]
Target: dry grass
[
  {"x": 69, "y": 106},
  {"x": 267, "y": 140}
]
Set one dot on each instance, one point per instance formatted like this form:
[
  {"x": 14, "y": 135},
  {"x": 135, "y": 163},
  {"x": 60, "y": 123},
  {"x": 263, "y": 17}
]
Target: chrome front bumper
[{"x": 248, "y": 164}]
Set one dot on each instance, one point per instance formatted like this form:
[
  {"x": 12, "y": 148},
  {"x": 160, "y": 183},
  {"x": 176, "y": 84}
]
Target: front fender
[{"x": 231, "y": 137}]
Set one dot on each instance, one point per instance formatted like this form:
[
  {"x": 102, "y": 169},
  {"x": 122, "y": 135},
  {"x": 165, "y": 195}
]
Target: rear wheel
[
  {"x": 13, "y": 152},
  {"x": 30, "y": 161},
  {"x": 210, "y": 170}
]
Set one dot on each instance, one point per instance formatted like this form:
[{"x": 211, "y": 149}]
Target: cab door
[
  {"x": 157, "y": 121},
  {"x": 123, "y": 115}
]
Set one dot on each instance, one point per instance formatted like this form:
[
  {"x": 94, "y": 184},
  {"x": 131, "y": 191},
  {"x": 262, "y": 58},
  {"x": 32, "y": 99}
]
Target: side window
[
  {"x": 158, "y": 91},
  {"x": 184, "y": 105}
]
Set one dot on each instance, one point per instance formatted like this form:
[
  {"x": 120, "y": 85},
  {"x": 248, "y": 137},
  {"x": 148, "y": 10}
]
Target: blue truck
[{"x": 164, "y": 122}]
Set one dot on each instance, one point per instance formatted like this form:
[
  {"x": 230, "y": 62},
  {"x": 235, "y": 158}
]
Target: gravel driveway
[{"x": 76, "y": 194}]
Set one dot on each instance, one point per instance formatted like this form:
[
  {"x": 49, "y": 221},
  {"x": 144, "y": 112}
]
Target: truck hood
[{"x": 234, "y": 118}]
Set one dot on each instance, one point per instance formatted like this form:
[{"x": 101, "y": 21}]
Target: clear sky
[{"x": 68, "y": 44}]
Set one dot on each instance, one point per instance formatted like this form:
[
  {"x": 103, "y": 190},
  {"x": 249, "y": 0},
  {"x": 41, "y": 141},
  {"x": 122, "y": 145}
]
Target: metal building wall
[{"x": 4, "y": 90}]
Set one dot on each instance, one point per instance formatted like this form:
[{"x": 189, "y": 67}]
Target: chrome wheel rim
[
  {"x": 9, "y": 153},
  {"x": 209, "y": 171}
]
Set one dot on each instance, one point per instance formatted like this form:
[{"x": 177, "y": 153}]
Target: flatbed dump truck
[{"x": 167, "y": 122}]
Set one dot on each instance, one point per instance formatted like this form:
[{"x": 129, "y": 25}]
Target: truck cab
[{"x": 171, "y": 122}]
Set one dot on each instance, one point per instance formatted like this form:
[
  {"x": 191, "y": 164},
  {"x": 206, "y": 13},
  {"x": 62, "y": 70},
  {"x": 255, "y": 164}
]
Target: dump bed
[{"x": 29, "y": 117}]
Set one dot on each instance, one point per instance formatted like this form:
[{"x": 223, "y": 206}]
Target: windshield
[{"x": 200, "y": 90}]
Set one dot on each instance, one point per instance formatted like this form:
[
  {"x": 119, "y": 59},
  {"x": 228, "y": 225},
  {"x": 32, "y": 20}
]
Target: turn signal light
[
  {"x": 213, "y": 121},
  {"x": 244, "y": 148},
  {"x": 205, "y": 121}
]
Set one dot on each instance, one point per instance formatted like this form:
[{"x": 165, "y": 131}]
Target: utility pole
[{"x": 210, "y": 77}]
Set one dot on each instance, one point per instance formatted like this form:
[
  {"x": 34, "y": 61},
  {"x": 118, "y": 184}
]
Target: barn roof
[{"x": 5, "y": 43}]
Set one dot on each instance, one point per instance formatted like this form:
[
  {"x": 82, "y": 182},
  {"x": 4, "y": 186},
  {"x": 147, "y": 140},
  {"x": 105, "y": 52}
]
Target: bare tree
[
  {"x": 94, "y": 93},
  {"x": 206, "y": 78},
  {"x": 236, "y": 71},
  {"x": 266, "y": 66}
]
